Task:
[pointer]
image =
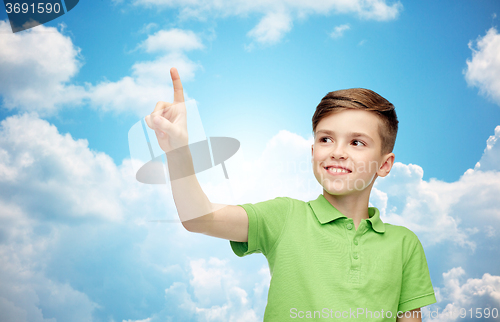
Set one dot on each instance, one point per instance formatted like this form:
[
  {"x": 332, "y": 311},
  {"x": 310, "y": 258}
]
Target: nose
[{"x": 338, "y": 152}]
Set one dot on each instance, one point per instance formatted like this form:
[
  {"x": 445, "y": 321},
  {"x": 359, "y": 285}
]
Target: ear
[
  {"x": 312, "y": 152},
  {"x": 387, "y": 163}
]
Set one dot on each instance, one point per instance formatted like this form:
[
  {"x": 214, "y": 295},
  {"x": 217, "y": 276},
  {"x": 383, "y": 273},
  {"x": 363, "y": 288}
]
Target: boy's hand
[{"x": 168, "y": 120}]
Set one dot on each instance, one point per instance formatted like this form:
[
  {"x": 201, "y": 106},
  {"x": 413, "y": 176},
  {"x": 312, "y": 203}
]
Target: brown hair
[{"x": 362, "y": 99}]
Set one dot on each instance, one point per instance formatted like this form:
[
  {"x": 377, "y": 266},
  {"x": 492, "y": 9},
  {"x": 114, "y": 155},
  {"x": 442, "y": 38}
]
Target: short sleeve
[
  {"x": 416, "y": 285},
  {"x": 266, "y": 221}
]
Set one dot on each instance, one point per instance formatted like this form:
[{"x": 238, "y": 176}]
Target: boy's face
[{"x": 347, "y": 152}]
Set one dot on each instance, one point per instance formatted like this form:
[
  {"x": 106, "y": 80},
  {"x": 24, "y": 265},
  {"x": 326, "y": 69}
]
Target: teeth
[{"x": 338, "y": 170}]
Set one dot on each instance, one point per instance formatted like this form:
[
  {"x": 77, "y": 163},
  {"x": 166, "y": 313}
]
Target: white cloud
[
  {"x": 368, "y": 9},
  {"x": 491, "y": 155},
  {"x": 379, "y": 10},
  {"x": 60, "y": 206},
  {"x": 283, "y": 169},
  {"x": 51, "y": 177},
  {"x": 271, "y": 28},
  {"x": 40, "y": 163},
  {"x": 217, "y": 294},
  {"x": 26, "y": 293},
  {"x": 149, "y": 83},
  {"x": 150, "y": 80},
  {"x": 35, "y": 68},
  {"x": 439, "y": 211},
  {"x": 338, "y": 31},
  {"x": 262, "y": 287},
  {"x": 404, "y": 198},
  {"x": 147, "y": 27},
  {"x": 483, "y": 70},
  {"x": 459, "y": 297},
  {"x": 173, "y": 40},
  {"x": 278, "y": 15}
]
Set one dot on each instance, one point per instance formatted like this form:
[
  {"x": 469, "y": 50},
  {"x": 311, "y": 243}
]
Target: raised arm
[{"x": 196, "y": 212}]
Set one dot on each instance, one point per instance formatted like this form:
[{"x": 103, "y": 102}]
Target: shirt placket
[{"x": 353, "y": 237}]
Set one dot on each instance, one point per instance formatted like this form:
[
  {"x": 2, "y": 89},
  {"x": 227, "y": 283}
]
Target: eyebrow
[{"x": 353, "y": 134}]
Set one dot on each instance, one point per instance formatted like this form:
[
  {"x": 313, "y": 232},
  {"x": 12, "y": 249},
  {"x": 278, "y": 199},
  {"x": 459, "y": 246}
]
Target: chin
[
  {"x": 336, "y": 191},
  {"x": 342, "y": 190}
]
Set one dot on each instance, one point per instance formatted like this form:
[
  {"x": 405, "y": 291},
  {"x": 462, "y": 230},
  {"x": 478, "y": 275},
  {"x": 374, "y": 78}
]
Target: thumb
[{"x": 162, "y": 124}]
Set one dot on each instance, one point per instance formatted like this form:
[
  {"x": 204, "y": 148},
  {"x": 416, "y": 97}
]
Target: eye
[
  {"x": 358, "y": 143},
  {"x": 323, "y": 139}
]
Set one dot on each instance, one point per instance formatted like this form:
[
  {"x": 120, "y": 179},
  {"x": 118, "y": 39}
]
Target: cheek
[
  {"x": 316, "y": 166},
  {"x": 319, "y": 155}
]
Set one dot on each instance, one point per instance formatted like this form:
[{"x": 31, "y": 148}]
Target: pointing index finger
[{"x": 176, "y": 80}]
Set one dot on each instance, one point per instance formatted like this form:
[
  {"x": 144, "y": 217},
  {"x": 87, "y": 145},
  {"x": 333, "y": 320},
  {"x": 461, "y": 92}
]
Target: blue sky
[{"x": 77, "y": 239}]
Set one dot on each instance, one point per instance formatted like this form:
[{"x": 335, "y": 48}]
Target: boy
[{"x": 330, "y": 258}]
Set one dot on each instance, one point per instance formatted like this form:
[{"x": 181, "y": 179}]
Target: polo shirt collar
[{"x": 325, "y": 212}]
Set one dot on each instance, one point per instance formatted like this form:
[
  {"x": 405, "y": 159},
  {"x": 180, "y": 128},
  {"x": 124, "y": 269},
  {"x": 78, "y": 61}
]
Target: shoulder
[
  {"x": 407, "y": 237},
  {"x": 280, "y": 202},
  {"x": 277, "y": 207},
  {"x": 276, "y": 202},
  {"x": 399, "y": 231},
  {"x": 408, "y": 241}
]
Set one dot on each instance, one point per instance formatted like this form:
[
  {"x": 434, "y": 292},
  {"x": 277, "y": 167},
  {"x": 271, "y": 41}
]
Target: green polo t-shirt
[{"x": 322, "y": 268}]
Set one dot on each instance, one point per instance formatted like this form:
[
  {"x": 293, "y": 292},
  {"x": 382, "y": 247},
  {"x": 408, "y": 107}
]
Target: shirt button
[
  {"x": 355, "y": 242},
  {"x": 349, "y": 226},
  {"x": 355, "y": 255}
]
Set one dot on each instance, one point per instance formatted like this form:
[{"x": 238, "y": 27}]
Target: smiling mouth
[{"x": 337, "y": 170}]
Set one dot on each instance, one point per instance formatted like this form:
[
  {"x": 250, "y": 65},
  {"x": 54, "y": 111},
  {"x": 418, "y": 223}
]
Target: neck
[{"x": 353, "y": 206}]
